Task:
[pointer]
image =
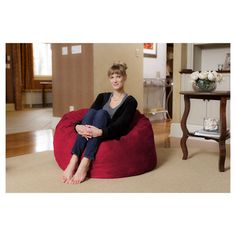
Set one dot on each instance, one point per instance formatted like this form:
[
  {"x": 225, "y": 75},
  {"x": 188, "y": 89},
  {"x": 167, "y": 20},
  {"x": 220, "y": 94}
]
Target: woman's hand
[
  {"x": 94, "y": 131},
  {"x": 84, "y": 131}
]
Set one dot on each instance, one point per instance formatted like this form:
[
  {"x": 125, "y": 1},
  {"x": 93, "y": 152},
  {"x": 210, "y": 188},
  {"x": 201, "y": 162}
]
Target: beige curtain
[
  {"x": 16, "y": 74},
  {"x": 26, "y": 52},
  {"x": 21, "y": 72}
]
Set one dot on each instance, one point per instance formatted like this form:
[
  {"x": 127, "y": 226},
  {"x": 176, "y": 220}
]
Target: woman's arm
[
  {"x": 84, "y": 131},
  {"x": 98, "y": 103},
  {"x": 94, "y": 131},
  {"x": 122, "y": 123}
]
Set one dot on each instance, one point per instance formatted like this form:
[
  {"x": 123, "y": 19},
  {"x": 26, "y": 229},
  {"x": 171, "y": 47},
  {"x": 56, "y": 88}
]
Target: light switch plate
[
  {"x": 76, "y": 49},
  {"x": 64, "y": 50}
]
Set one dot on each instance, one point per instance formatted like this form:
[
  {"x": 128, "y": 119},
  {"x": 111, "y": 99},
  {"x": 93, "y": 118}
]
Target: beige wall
[
  {"x": 180, "y": 62},
  {"x": 77, "y": 79},
  {"x": 72, "y": 78},
  {"x": 132, "y": 55}
]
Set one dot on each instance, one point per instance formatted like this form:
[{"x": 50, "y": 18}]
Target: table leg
[
  {"x": 184, "y": 128},
  {"x": 43, "y": 95},
  {"x": 222, "y": 149}
]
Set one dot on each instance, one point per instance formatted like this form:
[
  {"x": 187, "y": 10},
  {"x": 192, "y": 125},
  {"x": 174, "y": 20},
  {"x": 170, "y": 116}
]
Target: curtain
[
  {"x": 16, "y": 74},
  {"x": 21, "y": 72},
  {"x": 27, "y": 73}
]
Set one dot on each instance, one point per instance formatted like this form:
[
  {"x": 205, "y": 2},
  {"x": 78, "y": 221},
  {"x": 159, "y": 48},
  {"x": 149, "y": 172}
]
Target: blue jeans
[{"x": 99, "y": 119}]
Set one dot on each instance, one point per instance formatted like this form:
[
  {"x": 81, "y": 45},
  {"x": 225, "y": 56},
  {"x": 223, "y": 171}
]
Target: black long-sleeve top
[{"x": 122, "y": 118}]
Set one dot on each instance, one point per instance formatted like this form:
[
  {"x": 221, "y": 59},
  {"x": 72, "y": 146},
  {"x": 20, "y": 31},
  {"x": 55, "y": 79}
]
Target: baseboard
[
  {"x": 32, "y": 98},
  {"x": 10, "y": 107},
  {"x": 37, "y": 105}
]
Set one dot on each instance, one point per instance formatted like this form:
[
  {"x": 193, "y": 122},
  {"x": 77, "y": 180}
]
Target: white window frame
[{"x": 43, "y": 52}]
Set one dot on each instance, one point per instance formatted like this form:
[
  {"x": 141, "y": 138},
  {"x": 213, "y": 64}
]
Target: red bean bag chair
[{"x": 132, "y": 154}]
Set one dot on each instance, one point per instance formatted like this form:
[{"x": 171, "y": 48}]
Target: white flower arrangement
[{"x": 207, "y": 75}]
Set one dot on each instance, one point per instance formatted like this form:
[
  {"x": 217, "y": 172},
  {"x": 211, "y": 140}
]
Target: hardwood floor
[
  {"x": 161, "y": 132},
  {"x": 29, "y": 142},
  {"x": 42, "y": 140}
]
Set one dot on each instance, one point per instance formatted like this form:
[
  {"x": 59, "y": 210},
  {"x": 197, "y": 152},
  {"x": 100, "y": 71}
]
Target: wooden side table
[
  {"x": 223, "y": 96},
  {"x": 44, "y": 85}
]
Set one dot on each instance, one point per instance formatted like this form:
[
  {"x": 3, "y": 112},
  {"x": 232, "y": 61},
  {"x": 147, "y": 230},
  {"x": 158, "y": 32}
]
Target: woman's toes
[
  {"x": 64, "y": 179},
  {"x": 68, "y": 180}
]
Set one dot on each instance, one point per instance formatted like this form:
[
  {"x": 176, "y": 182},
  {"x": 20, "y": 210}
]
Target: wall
[
  {"x": 77, "y": 79},
  {"x": 72, "y": 78},
  {"x": 152, "y": 65},
  {"x": 212, "y": 57},
  {"x": 132, "y": 55},
  {"x": 180, "y": 62},
  {"x": 207, "y": 56},
  {"x": 35, "y": 97}
]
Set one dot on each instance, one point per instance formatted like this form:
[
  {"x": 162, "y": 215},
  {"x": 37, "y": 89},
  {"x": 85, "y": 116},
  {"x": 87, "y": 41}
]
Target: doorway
[
  {"x": 25, "y": 93},
  {"x": 28, "y": 119},
  {"x": 169, "y": 76},
  {"x": 26, "y": 86},
  {"x": 158, "y": 83}
]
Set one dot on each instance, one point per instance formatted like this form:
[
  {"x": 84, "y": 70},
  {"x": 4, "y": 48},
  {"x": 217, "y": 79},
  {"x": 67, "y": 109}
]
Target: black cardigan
[{"x": 121, "y": 120}]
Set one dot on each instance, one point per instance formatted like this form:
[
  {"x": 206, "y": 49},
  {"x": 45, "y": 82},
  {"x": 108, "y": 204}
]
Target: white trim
[
  {"x": 10, "y": 107},
  {"x": 32, "y": 97},
  {"x": 175, "y": 130},
  {"x": 55, "y": 121},
  {"x": 190, "y": 56}
]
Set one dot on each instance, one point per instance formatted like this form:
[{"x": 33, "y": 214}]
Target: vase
[{"x": 204, "y": 85}]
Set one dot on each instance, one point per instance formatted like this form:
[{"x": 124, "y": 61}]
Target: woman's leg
[
  {"x": 101, "y": 120},
  {"x": 70, "y": 169},
  {"x": 80, "y": 142},
  {"x": 78, "y": 148}
]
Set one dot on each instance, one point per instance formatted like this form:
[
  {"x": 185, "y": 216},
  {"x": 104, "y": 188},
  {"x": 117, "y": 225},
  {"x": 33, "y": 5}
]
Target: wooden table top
[
  {"x": 215, "y": 93},
  {"x": 45, "y": 82}
]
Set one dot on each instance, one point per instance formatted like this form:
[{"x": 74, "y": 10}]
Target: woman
[{"x": 108, "y": 118}]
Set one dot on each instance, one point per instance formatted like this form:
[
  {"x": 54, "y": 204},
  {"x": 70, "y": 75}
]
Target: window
[{"x": 42, "y": 60}]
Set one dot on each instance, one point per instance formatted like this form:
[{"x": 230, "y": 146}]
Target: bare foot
[
  {"x": 81, "y": 173},
  {"x": 70, "y": 169}
]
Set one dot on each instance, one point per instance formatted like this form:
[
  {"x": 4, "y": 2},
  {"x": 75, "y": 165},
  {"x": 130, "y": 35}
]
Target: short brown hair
[{"x": 118, "y": 68}]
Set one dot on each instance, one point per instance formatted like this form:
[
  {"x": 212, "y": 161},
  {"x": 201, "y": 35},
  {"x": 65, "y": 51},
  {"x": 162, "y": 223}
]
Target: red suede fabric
[{"x": 132, "y": 154}]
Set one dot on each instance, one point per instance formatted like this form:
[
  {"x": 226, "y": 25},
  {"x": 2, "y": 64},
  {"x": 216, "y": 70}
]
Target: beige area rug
[
  {"x": 28, "y": 120},
  {"x": 39, "y": 173}
]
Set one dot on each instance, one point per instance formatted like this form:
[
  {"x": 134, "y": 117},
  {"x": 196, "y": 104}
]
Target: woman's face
[{"x": 117, "y": 81}]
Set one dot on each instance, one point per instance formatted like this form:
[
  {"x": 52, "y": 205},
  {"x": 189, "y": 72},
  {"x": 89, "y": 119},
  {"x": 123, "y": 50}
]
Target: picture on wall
[{"x": 150, "y": 49}]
